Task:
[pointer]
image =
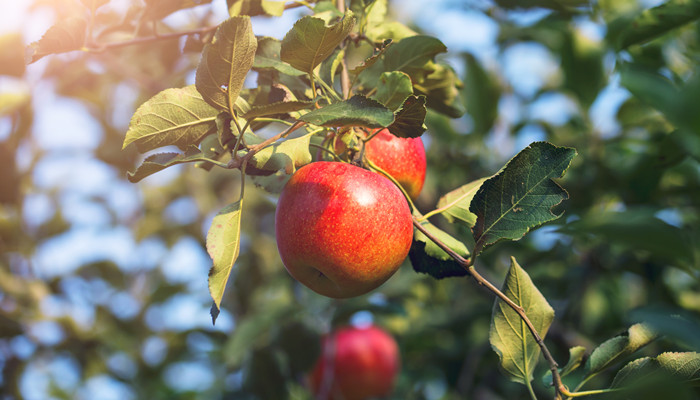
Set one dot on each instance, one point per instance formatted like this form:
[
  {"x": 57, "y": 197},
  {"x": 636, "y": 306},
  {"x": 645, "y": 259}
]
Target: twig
[{"x": 468, "y": 264}]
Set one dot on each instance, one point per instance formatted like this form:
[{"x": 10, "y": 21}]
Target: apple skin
[
  {"x": 342, "y": 230},
  {"x": 402, "y": 158},
  {"x": 365, "y": 362}
]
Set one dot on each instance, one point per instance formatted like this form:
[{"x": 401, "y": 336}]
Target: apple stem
[{"x": 468, "y": 264}]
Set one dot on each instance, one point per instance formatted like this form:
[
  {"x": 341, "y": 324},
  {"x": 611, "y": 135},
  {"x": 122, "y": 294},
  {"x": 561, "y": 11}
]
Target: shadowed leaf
[
  {"x": 287, "y": 155},
  {"x": 411, "y": 54},
  {"x": 267, "y": 57},
  {"x": 666, "y": 368},
  {"x": 281, "y": 107},
  {"x": 66, "y": 35},
  {"x": 521, "y": 196},
  {"x": 356, "y": 111},
  {"x": 616, "y": 349},
  {"x": 409, "y": 120},
  {"x": 393, "y": 88},
  {"x": 226, "y": 62},
  {"x": 428, "y": 258}
]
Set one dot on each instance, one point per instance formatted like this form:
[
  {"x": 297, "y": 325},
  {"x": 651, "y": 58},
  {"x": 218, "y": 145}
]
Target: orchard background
[{"x": 103, "y": 285}]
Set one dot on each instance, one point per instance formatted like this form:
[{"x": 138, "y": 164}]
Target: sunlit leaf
[
  {"x": 223, "y": 246},
  {"x": 226, "y": 62},
  {"x": 175, "y": 116},
  {"x": 356, "y": 111},
  {"x": 160, "y": 161},
  {"x": 428, "y": 258},
  {"x": 12, "y": 55},
  {"x": 287, "y": 155},
  {"x": 509, "y": 336},
  {"x": 158, "y": 9},
  {"x": 576, "y": 356},
  {"x": 66, "y": 35},
  {"x": 409, "y": 120},
  {"x": 455, "y": 204},
  {"x": 666, "y": 368},
  {"x": 618, "y": 348},
  {"x": 310, "y": 41},
  {"x": 255, "y": 7},
  {"x": 392, "y": 89},
  {"x": 521, "y": 196},
  {"x": 411, "y": 54}
]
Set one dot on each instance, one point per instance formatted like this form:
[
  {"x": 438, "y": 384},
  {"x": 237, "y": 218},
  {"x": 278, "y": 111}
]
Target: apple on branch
[
  {"x": 342, "y": 230},
  {"x": 402, "y": 158}
]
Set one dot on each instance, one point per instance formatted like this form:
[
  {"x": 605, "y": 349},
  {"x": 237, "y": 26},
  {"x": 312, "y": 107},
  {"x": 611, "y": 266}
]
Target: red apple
[
  {"x": 342, "y": 230},
  {"x": 403, "y": 159},
  {"x": 356, "y": 364}
]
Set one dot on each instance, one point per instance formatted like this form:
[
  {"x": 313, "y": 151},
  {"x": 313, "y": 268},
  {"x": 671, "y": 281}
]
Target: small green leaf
[
  {"x": 356, "y": 111},
  {"x": 223, "y": 246},
  {"x": 12, "y": 55},
  {"x": 66, "y": 35},
  {"x": 666, "y": 368},
  {"x": 226, "y": 62},
  {"x": 310, "y": 41},
  {"x": 441, "y": 89},
  {"x": 159, "y": 9},
  {"x": 411, "y": 54},
  {"x": 455, "y": 204},
  {"x": 255, "y": 7},
  {"x": 174, "y": 116},
  {"x": 510, "y": 338},
  {"x": 267, "y": 57},
  {"x": 521, "y": 196},
  {"x": 160, "y": 161},
  {"x": 273, "y": 183},
  {"x": 393, "y": 88},
  {"x": 287, "y": 155},
  {"x": 428, "y": 258},
  {"x": 281, "y": 107},
  {"x": 628, "y": 30},
  {"x": 409, "y": 120},
  {"x": 576, "y": 355},
  {"x": 616, "y": 349}
]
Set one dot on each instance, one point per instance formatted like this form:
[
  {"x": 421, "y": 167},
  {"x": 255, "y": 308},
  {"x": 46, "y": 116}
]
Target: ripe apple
[
  {"x": 355, "y": 364},
  {"x": 402, "y": 158},
  {"x": 342, "y": 230}
]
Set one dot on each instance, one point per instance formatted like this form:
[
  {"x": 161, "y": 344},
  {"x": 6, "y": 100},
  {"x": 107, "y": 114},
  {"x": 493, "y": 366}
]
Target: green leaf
[
  {"x": 409, "y": 120},
  {"x": 255, "y": 7},
  {"x": 286, "y": 155},
  {"x": 12, "y": 55},
  {"x": 66, "y": 35},
  {"x": 159, "y": 9},
  {"x": 223, "y": 246},
  {"x": 441, "y": 88},
  {"x": 666, "y": 368},
  {"x": 510, "y": 338},
  {"x": 576, "y": 355},
  {"x": 356, "y": 111},
  {"x": 273, "y": 183},
  {"x": 628, "y": 30},
  {"x": 428, "y": 258},
  {"x": 310, "y": 41},
  {"x": 521, "y": 196},
  {"x": 411, "y": 54},
  {"x": 160, "y": 161},
  {"x": 455, "y": 204},
  {"x": 226, "y": 62},
  {"x": 267, "y": 57},
  {"x": 281, "y": 107},
  {"x": 174, "y": 116},
  {"x": 616, "y": 349},
  {"x": 639, "y": 230},
  {"x": 371, "y": 60},
  {"x": 482, "y": 95},
  {"x": 393, "y": 88}
]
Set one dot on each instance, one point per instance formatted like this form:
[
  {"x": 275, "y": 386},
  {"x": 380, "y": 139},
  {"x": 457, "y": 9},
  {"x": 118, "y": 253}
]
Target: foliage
[{"x": 619, "y": 252}]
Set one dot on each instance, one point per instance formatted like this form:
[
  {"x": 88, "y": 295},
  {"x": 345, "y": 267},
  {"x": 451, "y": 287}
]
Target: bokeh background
[{"x": 103, "y": 283}]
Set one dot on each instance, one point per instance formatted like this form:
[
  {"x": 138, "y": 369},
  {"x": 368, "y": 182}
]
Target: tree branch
[{"x": 468, "y": 264}]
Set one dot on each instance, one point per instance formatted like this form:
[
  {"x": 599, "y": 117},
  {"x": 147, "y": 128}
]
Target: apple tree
[{"x": 445, "y": 254}]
